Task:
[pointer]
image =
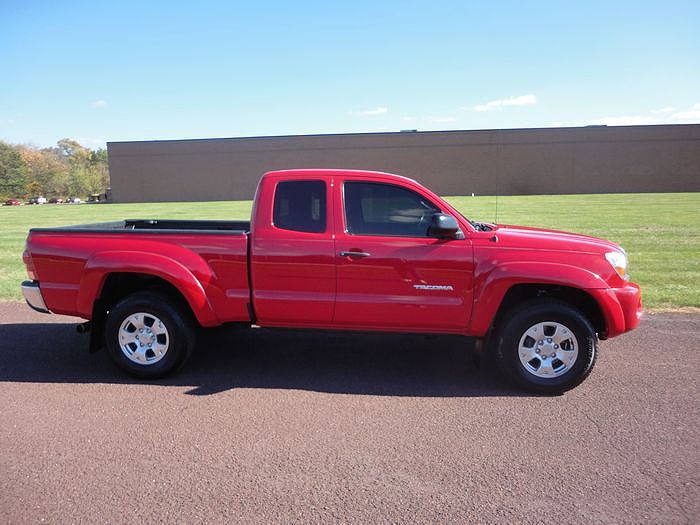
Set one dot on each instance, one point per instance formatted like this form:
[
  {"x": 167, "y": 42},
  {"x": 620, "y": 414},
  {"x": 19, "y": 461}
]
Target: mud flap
[{"x": 97, "y": 330}]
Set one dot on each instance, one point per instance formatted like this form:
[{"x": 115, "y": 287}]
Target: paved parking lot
[{"x": 310, "y": 428}]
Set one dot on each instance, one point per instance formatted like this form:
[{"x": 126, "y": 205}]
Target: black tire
[
  {"x": 167, "y": 344},
  {"x": 547, "y": 315}
]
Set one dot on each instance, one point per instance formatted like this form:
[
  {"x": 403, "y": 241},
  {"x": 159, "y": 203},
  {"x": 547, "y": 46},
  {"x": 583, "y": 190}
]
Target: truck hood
[{"x": 542, "y": 239}]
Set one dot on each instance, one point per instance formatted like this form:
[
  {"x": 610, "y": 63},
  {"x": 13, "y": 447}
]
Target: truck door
[
  {"x": 391, "y": 274},
  {"x": 292, "y": 259}
]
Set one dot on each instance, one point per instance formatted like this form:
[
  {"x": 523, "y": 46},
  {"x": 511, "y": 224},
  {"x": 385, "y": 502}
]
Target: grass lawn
[{"x": 660, "y": 231}]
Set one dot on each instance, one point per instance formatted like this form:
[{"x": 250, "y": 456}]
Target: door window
[
  {"x": 300, "y": 205},
  {"x": 385, "y": 209}
]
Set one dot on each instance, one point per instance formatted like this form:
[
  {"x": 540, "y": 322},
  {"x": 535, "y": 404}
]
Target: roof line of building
[{"x": 408, "y": 132}]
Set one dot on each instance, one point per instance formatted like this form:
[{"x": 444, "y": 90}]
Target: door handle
[{"x": 354, "y": 254}]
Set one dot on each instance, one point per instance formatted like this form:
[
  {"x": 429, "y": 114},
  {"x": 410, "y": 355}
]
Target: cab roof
[{"x": 324, "y": 172}]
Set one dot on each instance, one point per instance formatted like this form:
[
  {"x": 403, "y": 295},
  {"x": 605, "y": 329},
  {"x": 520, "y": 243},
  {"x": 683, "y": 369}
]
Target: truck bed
[
  {"x": 156, "y": 226},
  {"x": 205, "y": 260}
]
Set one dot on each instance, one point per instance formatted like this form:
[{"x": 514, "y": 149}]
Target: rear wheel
[
  {"x": 149, "y": 335},
  {"x": 547, "y": 347}
]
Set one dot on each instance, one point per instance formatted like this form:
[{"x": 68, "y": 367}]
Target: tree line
[{"x": 66, "y": 170}]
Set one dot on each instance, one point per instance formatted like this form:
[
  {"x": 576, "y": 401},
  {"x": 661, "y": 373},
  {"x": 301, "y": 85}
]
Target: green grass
[{"x": 661, "y": 232}]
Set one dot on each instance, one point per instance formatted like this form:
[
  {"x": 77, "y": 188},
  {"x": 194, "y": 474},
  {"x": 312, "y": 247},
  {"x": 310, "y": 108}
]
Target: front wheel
[
  {"x": 149, "y": 335},
  {"x": 547, "y": 347}
]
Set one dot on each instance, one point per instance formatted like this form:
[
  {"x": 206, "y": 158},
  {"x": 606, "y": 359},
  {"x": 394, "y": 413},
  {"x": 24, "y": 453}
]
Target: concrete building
[{"x": 507, "y": 162}]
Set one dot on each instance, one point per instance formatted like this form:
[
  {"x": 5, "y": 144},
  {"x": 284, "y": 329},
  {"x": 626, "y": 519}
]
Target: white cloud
[
  {"x": 99, "y": 104},
  {"x": 633, "y": 120},
  {"x": 668, "y": 109},
  {"x": 444, "y": 119},
  {"x": 522, "y": 100},
  {"x": 376, "y": 111},
  {"x": 693, "y": 114},
  {"x": 697, "y": 106}
]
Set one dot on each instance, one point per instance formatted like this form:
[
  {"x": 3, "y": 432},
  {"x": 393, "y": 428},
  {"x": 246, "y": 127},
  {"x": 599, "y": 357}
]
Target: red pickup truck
[{"x": 341, "y": 250}]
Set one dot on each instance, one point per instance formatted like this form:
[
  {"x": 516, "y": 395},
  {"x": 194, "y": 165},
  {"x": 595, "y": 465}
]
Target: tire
[
  {"x": 149, "y": 335},
  {"x": 546, "y": 347}
]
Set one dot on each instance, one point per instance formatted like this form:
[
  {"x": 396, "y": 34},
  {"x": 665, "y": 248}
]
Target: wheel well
[
  {"x": 119, "y": 285},
  {"x": 574, "y": 297}
]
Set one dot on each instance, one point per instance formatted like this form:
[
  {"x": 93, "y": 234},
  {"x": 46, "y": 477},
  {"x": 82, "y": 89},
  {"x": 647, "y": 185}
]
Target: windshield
[{"x": 478, "y": 226}]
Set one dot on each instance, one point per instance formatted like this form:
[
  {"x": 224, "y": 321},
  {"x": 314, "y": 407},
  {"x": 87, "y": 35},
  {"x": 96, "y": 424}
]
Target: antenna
[
  {"x": 495, "y": 219},
  {"x": 499, "y": 162}
]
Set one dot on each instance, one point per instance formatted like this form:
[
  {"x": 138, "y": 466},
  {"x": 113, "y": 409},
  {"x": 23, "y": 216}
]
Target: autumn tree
[
  {"x": 67, "y": 170},
  {"x": 46, "y": 171}
]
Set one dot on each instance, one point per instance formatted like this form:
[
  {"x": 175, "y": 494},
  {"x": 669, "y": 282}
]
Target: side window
[
  {"x": 384, "y": 209},
  {"x": 300, "y": 205}
]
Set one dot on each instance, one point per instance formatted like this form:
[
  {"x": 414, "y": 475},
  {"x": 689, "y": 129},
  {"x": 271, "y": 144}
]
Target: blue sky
[{"x": 108, "y": 71}]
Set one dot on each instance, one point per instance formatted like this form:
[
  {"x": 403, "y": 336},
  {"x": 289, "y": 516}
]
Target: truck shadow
[{"x": 229, "y": 358}]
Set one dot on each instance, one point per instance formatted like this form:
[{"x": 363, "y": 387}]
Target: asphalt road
[{"x": 315, "y": 428}]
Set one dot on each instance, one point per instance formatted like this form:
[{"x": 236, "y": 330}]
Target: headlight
[{"x": 618, "y": 260}]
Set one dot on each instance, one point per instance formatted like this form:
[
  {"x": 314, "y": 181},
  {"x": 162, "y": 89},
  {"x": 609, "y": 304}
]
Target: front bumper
[
  {"x": 630, "y": 299},
  {"x": 32, "y": 294},
  {"x": 621, "y": 307}
]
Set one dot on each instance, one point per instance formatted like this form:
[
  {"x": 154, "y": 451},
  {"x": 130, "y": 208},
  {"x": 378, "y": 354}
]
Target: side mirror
[{"x": 444, "y": 227}]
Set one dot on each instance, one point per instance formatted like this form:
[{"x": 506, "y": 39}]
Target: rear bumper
[
  {"x": 32, "y": 294},
  {"x": 622, "y": 308}
]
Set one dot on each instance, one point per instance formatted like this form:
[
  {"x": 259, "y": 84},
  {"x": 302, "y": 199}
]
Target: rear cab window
[{"x": 300, "y": 205}]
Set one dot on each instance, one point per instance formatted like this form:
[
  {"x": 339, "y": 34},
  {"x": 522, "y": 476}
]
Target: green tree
[
  {"x": 12, "y": 174},
  {"x": 89, "y": 172},
  {"x": 100, "y": 165}
]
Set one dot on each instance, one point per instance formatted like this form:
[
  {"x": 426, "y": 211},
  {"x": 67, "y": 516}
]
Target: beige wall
[{"x": 505, "y": 162}]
